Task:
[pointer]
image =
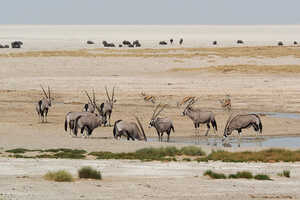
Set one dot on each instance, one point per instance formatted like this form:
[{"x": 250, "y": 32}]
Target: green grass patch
[
  {"x": 285, "y": 173},
  {"x": 262, "y": 177},
  {"x": 59, "y": 176},
  {"x": 21, "y": 150},
  {"x": 149, "y": 154},
  {"x": 242, "y": 174},
  {"x": 90, "y": 173},
  {"x": 269, "y": 155},
  {"x": 187, "y": 159},
  {"x": 214, "y": 175}
]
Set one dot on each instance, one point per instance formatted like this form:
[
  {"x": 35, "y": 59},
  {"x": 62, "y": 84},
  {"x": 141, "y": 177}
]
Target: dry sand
[{"x": 20, "y": 78}]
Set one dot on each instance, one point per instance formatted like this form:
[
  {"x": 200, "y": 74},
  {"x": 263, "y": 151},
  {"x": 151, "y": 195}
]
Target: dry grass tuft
[
  {"x": 265, "y": 51},
  {"x": 59, "y": 176},
  {"x": 243, "y": 69}
]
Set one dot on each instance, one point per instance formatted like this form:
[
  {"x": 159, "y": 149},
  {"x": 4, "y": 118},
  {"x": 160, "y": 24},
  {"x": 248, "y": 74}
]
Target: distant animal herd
[
  {"x": 95, "y": 115},
  {"x": 137, "y": 43}
]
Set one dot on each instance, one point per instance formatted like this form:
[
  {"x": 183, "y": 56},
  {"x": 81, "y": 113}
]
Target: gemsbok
[
  {"x": 106, "y": 108},
  {"x": 87, "y": 123},
  {"x": 43, "y": 105},
  {"x": 129, "y": 130},
  {"x": 161, "y": 124},
  {"x": 242, "y": 121},
  {"x": 200, "y": 117}
]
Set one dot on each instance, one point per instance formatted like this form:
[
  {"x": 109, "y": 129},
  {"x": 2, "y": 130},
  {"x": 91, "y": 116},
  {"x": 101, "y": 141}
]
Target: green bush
[
  {"x": 59, "y": 176},
  {"x": 192, "y": 151},
  {"x": 262, "y": 177},
  {"x": 214, "y": 175},
  {"x": 89, "y": 172}
]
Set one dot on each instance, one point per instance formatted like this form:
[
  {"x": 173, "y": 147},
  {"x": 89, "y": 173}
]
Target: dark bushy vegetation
[
  {"x": 89, "y": 172},
  {"x": 242, "y": 174},
  {"x": 285, "y": 173},
  {"x": 214, "y": 175}
]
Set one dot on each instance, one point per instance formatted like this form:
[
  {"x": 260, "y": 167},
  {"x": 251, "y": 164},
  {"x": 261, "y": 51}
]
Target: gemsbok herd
[{"x": 95, "y": 115}]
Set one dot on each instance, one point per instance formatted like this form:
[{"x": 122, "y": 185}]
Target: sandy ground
[
  {"x": 69, "y": 76},
  {"x": 145, "y": 180}
]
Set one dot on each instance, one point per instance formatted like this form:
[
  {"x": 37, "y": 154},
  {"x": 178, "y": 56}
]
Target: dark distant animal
[
  {"x": 215, "y": 42},
  {"x": 280, "y": 43},
  {"x": 136, "y": 43},
  {"x": 162, "y": 125},
  {"x": 181, "y": 41},
  {"x": 44, "y": 105},
  {"x": 130, "y": 46},
  {"x": 129, "y": 130},
  {"x": 16, "y": 44},
  {"x": 90, "y": 42},
  {"x": 200, "y": 117},
  {"x": 295, "y": 43},
  {"x": 242, "y": 121},
  {"x": 171, "y": 41},
  {"x": 87, "y": 123},
  {"x": 163, "y": 43},
  {"x": 125, "y": 42},
  {"x": 240, "y": 42},
  {"x": 6, "y": 46},
  {"x": 106, "y": 44},
  {"x": 120, "y": 45}
]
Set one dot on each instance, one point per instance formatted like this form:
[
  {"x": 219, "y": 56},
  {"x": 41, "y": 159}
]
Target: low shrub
[
  {"x": 59, "y": 176},
  {"x": 214, "y": 175},
  {"x": 89, "y": 172},
  {"x": 262, "y": 177},
  {"x": 285, "y": 173}
]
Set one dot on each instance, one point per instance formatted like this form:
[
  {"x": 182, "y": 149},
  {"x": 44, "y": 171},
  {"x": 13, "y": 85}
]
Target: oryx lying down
[
  {"x": 161, "y": 124},
  {"x": 129, "y": 130},
  {"x": 242, "y": 121},
  {"x": 87, "y": 123}
]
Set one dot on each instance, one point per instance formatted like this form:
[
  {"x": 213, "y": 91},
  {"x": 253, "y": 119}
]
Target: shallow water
[
  {"x": 261, "y": 141},
  {"x": 283, "y": 115}
]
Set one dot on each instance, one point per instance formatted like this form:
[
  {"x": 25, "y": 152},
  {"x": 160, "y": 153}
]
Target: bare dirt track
[{"x": 68, "y": 76}]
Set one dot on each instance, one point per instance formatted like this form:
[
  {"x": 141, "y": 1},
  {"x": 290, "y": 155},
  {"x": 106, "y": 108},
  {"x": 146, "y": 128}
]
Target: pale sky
[{"x": 150, "y": 12}]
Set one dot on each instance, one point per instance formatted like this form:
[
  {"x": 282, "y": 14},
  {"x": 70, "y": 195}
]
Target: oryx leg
[
  {"x": 46, "y": 114},
  {"x": 109, "y": 114},
  {"x": 239, "y": 133},
  {"x": 161, "y": 136},
  {"x": 168, "y": 133},
  {"x": 158, "y": 135}
]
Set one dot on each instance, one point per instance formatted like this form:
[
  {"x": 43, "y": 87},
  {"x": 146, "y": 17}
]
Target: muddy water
[{"x": 264, "y": 141}]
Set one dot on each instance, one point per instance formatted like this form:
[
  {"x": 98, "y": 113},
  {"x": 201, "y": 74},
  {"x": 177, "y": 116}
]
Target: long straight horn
[
  {"x": 113, "y": 94},
  {"x": 142, "y": 129},
  {"x": 94, "y": 97},
  {"x": 164, "y": 106},
  {"x": 44, "y": 92},
  {"x": 107, "y": 93},
  {"x": 87, "y": 94},
  {"x": 49, "y": 92},
  {"x": 154, "y": 111}
]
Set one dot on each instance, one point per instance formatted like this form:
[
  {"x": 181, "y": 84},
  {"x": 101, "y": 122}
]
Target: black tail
[
  {"x": 172, "y": 128},
  {"x": 260, "y": 126},
  {"x": 214, "y": 124},
  {"x": 115, "y": 128},
  {"x": 40, "y": 106},
  {"x": 76, "y": 125},
  {"x": 66, "y": 124},
  {"x": 86, "y": 107}
]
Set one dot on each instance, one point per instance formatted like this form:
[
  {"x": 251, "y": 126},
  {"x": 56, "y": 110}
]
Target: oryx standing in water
[
  {"x": 107, "y": 107},
  {"x": 90, "y": 106},
  {"x": 129, "y": 130},
  {"x": 242, "y": 121},
  {"x": 161, "y": 124},
  {"x": 43, "y": 105},
  {"x": 200, "y": 117}
]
